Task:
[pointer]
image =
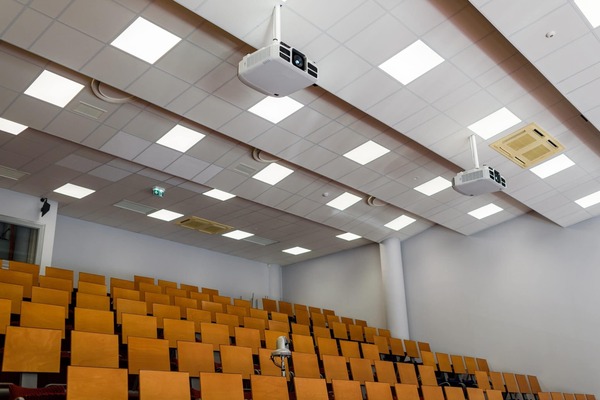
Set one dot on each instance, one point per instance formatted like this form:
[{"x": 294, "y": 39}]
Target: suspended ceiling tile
[
  {"x": 157, "y": 87},
  {"x": 188, "y": 62},
  {"x": 357, "y": 20},
  {"x": 26, "y": 28},
  {"x": 187, "y": 167},
  {"x": 329, "y": 69},
  {"x": 115, "y": 67},
  {"x": 213, "y": 112},
  {"x": 102, "y": 21}
]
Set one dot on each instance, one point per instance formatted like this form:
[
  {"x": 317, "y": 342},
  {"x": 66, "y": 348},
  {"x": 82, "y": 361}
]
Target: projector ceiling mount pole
[
  {"x": 474, "y": 150},
  {"x": 277, "y": 23}
]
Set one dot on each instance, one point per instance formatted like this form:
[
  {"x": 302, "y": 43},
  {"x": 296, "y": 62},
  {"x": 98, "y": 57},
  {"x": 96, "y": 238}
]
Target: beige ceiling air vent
[
  {"x": 10, "y": 173},
  {"x": 528, "y": 146},
  {"x": 204, "y": 225}
]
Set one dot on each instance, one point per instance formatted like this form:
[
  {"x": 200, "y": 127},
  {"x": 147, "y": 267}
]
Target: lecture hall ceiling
[{"x": 537, "y": 60}]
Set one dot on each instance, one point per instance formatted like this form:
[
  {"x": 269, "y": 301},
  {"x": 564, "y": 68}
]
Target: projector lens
[{"x": 298, "y": 59}]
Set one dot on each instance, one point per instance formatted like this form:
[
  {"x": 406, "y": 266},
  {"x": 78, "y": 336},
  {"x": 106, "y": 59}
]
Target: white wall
[
  {"x": 24, "y": 209},
  {"x": 348, "y": 282},
  {"x": 524, "y": 295},
  {"x": 88, "y": 247}
]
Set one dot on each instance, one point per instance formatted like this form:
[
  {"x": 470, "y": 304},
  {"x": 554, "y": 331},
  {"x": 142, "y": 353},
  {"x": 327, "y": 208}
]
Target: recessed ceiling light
[
  {"x": 366, "y": 153},
  {"x": 11, "y": 127},
  {"x": 591, "y": 10},
  {"x": 296, "y": 250},
  {"x": 238, "y": 235},
  {"x": 494, "y": 123},
  {"x": 400, "y": 222},
  {"x": 275, "y": 109},
  {"x": 272, "y": 173},
  {"x": 344, "y": 201},
  {"x": 485, "y": 211},
  {"x": 348, "y": 236},
  {"x": 145, "y": 40},
  {"x": 589, "y": 200},
  {"x": 552, "y": 166},
  {"x": 71, "y": 190},
  {"x": 219, "y": 194},
  {"x": 412, "y": 62},
  {"x": 434, "y": 186},
  {"x": 180, "y": 138},
  {"x": 165, "y": 215},
  {"x": 54, "y": 89}
]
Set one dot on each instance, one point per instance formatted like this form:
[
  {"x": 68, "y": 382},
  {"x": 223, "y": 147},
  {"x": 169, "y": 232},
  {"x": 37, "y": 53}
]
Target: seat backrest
[
  {"x": 510, "y": 382},
  {"x": 5, "y": 308},
  {"x": 215, "y": 334},
  {"x": 96, "y": 383},
  {"x": 349, "y": 349},
  {"x": 370, "y": 351},
  {"x": 147, "y": 287},
  {"x": 38, "y": 315},
  {"x": 239, "y": 311},
  {"x": 356, "y": 333},
  {"x": 128, "y": 306},
  {"x": 534, "y": 384},
  {"x": 90, "y": 349},
  {"x": 471, "y": 364},
  {"x": 225, "y": 300},
  {"x": 124, "y": 293},
  {"x": 497, "y": 381},
  {"x": 256, "y": 323},
  {"x": 193, "y": 357},
  {"x": 175, "y": 330},
  {"x": 382, "y": 343},
  {"x": 269, "y": 304},
  {"x": 242, "y": 303},
  {"x": 407, "y": 392},
  {"x": 321, "y": 331},
  {"x": 428, "y": 358},
  {"x": 327, "y": 346},
  {"x": 200, "y": 297},
  {"x": 411, "y": 348},
  {"x": 523, "y": 384},
  {"x": 444, "y": 364},
  {"x": 339, "y": 330},
  {"x": 51, "y": 296},
  {"x": 378, "y": 390},
  {"x": 137, "y": 279},
  {"x": 189, "y": 288},
  {"x": 269, "y": 387},
  {"x": 396, "y": 347},
  {"x": 454, "y": 393},
  {"x": 285, "y": 307},
  {"x": 300, "y": 329},
  {"x": 361, "y": 370},
  {"x": 335, "y": 367},
  {"x": 370, "y": 332},
  {"x": 213, "y": 307},
  {"x": 121, "y": 283},
  {"x": 407, "y": 373},
  {"x": 310, "y": 389},
  {"x": 458, "y": 364},
  {"x": 166, "y": 284},
  {"x": 232, "y": 321},
  {"x": 175, "y": 292},
  {"x": 318, "y": 320},
  {"x": 145, "y": 353},
  {"x": 141, "y": 326},
  {"x": 162, "y": 311},
  {"x": 31, "y": 350},
  {"x": 51, "y": 282},
  {"x": 475, "y": 393},
  {"x": 385, "y": 372},
  {"x": 281, "y": 317},
  {"x": 62, "y": 273},
  {"x": 18, "y": 278},
  {"x": 218, "y": 386},
  {"x": 305, "y": 365},
  {"x": 248, "y": 337},
  {"x": 482, "y": 379},
  {"x": 90, "y": 320},
  {"x": 160, "y": 385},
  {"x": 95, "y": 302},
  {"x": 427, "y": 375},
  {"x": 14, "y": 293},
  {"x": 91, "y": 278},
  {"x": 32, "y": 269},
  {"x": 347, "y": 390},
  {"x": 303, "y": 343},
  {"x": 92, "y": 288},
  {"x": 184, "y": 303},
  {"x": 152, "y": 298},
  {"x": 198, "y": 317},
  {"x": 237, "y": 360},
  {"x": 303, "y": 317},
  {"x": 432, "y": 393},
  {"x": 482, "y": 364},
  {"x": 257, "y": 313}
]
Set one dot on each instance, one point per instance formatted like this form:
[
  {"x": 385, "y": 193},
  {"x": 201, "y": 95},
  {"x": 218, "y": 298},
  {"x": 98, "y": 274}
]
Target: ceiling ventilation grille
[
  {"x": 204, "y": 225},
  {"x": 528, "y": 146},
  {"x": 135, "y": 207},
  {"x": 88, "y": 110},
  {"x": 10, "y": 173}
]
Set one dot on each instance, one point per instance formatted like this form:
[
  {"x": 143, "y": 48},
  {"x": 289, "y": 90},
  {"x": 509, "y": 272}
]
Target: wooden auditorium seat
[
  {"x": 432, "y": 393},
  {"x": 385, "y": 372},
  {"x": 165, "y": 311},
  {"x": 5, "y": 311},
  {"x": 237, "y": 360},
  {"x": 128, "y": 306},
  {"x": 346, "y": 390},
  {"x": 379, "y": 391},
  {"x": 31, "y": 350},
  {"x": 268, "y": 387},
  {"x": 91, "y": 278},
  {"x": 147, "y": 354},
  {"x": 92, "y": 301},
  {"x": 248, "y": 337},
  {"x": 38, "y": 315},
  {"x": 175, "y": 330},
  {"x": 90, "y": 320},
  {"x": 361, "y": 370},
  {"x": 160, "y": 385},
  {"x": 14, "y": 293},
  {"x": 406, "y": 391},
  {"x": 89, "y": 349},
  {"x": 194, "y": 358},
  {"x": 303, "y": 343},
  {"x": 218, "y": 386},
  {"x": 334, "y": 367},
  {"x": 23, "y": 279},
  {"x": 215, "y": 334},
  {"x": 51, "y": 296},
  {"x": 305, "y": 365},
  {"x": 32, "y": 269},
  {"x": 92, "y": 288},
  {"x": 84, "y": 383},
  {"x": 140, "y": 326},
  {"x": 310, "y": 389}
]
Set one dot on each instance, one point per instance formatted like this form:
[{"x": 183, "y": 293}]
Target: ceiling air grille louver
[
  {"x": 204, "y": 225},
  {"x": 528, "y": 146}
]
